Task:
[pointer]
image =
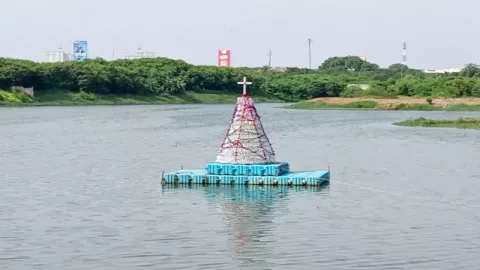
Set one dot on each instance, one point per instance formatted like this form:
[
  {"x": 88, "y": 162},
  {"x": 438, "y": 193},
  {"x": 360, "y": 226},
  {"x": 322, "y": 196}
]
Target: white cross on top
[{"x": 245, "y": 83}]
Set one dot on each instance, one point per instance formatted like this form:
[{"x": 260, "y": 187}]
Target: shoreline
[
  {"x": 389, "y": 104},
  {"x": 64, "y": 98},
  {"x": 67, "y": 99}
]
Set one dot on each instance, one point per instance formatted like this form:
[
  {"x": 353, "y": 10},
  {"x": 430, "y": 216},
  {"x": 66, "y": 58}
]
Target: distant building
[
  {"x": 27, "y": 90},
  {"x": 280, "y": 69},
  {"x": 446, "y": 70},
  {"x": 57, "y": 56},
  {"x": 139, "y": 53},
  {"x": 361, "y": 86}
]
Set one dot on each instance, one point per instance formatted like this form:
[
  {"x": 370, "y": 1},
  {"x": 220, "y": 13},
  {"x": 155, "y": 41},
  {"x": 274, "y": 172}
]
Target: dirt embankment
[{"x": 388, "y": 102}]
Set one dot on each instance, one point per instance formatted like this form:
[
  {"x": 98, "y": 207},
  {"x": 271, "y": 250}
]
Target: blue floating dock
[
  {"x": 272, "y": 175},
  {"x": 272, "y": 169}
]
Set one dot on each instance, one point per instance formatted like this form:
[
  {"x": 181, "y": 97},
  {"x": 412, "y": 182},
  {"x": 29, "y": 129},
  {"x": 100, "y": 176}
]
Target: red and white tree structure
[{"x": 246, "y": 141}]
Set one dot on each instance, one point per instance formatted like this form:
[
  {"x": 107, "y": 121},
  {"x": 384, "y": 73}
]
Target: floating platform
[
  {"x": 272, "y": 169},
  {"x": 289, "y": 178}
]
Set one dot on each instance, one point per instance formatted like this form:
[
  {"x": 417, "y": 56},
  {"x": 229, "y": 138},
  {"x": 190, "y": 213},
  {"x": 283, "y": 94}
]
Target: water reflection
[
  {"x": 246, "y": 194},
  {"x": 249, "y": 215}
]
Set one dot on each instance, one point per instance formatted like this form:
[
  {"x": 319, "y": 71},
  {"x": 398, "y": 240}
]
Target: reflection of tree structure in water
[{"x": 248, "y": 211}]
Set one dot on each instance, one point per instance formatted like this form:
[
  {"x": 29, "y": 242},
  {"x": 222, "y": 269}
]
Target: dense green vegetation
[
  {"x": 163, "y": 80},
  {"x": 470, "y": 123}
]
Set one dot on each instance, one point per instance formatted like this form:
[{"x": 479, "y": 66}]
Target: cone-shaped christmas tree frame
[
  {"x": 246, "y": 141},
  {"x": 246, "y": 156}
]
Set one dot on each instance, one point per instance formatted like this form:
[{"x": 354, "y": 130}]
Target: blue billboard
[{"x": 80, "y": 50}]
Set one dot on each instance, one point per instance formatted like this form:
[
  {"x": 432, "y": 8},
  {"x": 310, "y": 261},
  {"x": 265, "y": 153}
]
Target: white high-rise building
[
  {"x": 139, "y": 53},
  {"x": 57, "y": 56}
]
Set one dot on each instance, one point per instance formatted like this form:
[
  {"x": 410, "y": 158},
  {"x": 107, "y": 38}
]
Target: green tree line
[{"x": 337, "y": 76}]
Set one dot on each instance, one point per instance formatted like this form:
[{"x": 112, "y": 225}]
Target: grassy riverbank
[
  {"x": 464, "y": 123},
  {"x": 397, "y": 103},
  {"x": 67, "y": 98}
]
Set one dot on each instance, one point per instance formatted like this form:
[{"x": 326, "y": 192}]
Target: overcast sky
[{"x": 438, "y": 33}]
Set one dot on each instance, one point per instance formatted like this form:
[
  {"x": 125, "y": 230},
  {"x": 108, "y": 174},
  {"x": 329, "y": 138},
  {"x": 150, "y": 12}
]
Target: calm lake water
[{"x": 80, "y": 189}]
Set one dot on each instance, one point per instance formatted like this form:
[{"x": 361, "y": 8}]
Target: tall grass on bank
[
  {"x": 463, "y": 123},
  {"x": 318, "y": 105},
  {"x": 372, "y": 105}
]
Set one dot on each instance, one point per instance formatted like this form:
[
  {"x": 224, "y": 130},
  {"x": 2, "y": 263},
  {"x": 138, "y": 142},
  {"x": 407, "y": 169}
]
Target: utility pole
[
  {"x": 269, "y": 66},
  {"x": 269, "y": 59},
  {"x": 309, "y": 53},
  {"x": 404, "y": 58}
]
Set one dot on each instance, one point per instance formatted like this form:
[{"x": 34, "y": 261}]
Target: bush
[
  {"x": 23, "y": 97},
  {"x": 352, "y": 91},
  {"x": 84, "y": 96},
  {"x": 355, "y": 91},
  {"x": 14, "y": 97}
]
